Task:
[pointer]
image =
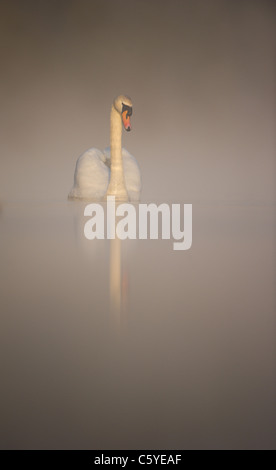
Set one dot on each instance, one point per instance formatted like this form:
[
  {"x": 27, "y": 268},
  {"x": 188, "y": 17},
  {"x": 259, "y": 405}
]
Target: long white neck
[{"x": 116, "y": 185}]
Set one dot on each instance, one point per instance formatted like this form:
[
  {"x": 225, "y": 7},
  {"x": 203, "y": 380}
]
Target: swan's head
[{"x": 123, "y": 105}]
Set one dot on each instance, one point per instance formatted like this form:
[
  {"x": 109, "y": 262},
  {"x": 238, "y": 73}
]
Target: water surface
[{"x": 109, "y": 344}]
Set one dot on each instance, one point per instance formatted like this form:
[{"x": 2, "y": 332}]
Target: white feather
[{"x": 93, "y": 179}]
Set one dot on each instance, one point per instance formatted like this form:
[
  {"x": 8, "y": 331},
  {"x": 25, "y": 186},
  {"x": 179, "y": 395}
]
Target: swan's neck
[{"x": 116, "y": 185}]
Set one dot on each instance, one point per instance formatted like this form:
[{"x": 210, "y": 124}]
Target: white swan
[{"x": 113, "y": 172}]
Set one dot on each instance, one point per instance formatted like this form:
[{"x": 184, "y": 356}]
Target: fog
[
  {"x": 201, "y": 76},
  {"x": 109, "y": 344}
]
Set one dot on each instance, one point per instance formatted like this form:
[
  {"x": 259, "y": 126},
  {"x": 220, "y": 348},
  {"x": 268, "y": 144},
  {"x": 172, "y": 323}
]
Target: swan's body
[
  {"x": 112, "y": 172},
  {"x": 92, "y": 175}
]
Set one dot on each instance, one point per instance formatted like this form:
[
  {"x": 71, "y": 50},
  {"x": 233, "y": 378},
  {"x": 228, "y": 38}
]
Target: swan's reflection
[
  {"x": 115, "y": 278},
  {"x": 104, "y": 255},
  {"x": 118, "y": 284}
]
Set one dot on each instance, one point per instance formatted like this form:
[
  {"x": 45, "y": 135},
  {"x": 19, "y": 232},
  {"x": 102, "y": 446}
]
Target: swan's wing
[
  {"x": 106, "y": 154},
  {"x": 91, "y": 176},
  {"x": 132, "y": 175}
]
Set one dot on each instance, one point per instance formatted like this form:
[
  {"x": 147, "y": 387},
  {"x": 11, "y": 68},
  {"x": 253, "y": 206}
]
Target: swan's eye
[
  {"x": 127, "y": 108},
  {"x": 126, "y": 113}
]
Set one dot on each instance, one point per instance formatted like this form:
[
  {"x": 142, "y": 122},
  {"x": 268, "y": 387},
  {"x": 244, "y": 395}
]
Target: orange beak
[{"x": 126, "y": 121}]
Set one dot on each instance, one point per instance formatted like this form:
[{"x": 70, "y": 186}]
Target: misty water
[
  {"x": 108, "y": 344},
  {"x": 130, "y": 344}
]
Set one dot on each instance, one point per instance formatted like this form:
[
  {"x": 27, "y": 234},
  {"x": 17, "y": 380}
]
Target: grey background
[
  {"x": 189, "y": 360},
  {"x": 201, "y": 75}
]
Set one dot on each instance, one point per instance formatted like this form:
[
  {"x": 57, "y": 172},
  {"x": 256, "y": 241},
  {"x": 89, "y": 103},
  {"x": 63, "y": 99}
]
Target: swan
[{"x": 113, "y": 172}]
